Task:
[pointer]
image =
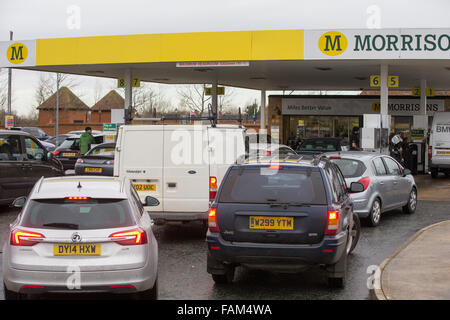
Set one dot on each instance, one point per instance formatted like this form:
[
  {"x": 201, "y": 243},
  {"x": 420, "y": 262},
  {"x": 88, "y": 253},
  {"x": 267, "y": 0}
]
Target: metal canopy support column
[
  {"x": 262, "y": 110},
  {"x": 423, "y": 97},
  {"x": 384, "y": 100},
  {"x": 57, "y": 106},
  {"x": 214, "y": 107},
  {"x": 128, "y": 97},
  {"x": 9, "y": 81}
]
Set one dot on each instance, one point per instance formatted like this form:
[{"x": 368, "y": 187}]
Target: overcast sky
[{"x": 31, "y": 19}]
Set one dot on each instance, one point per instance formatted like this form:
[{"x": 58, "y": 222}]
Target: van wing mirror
[
  {"x": 151, "y": 201},
  {"x": 356, "y": 187},
  {"x": 19, "y": 202}
]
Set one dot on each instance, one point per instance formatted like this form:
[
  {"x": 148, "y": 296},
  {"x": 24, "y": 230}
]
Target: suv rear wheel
[
  {"x": 354, "y": 234},
  {"x": 224, "y": 278}
]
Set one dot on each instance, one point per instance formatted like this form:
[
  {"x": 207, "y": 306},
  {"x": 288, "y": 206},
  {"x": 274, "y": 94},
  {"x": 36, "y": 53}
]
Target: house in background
[
  {"x": 101, "y": 111},
  {"x": 72, "y": 112}
]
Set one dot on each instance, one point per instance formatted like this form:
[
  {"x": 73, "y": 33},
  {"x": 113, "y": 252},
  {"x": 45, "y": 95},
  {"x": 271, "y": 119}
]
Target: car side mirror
[
  {"x": 356, "y": 187},
  {"x": 19, "y": 202},
  {"x": 406, "y": 172},
  {"x": 151, "y": 201}
]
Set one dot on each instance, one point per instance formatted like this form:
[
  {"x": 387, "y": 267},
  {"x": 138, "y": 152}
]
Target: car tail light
[
  {"x": 110, "y": 162},
  {"x": 130, "y": 237},
  {"x": 268, "y": 153},
  {"x": 212, "y": 188},
  {"x": 77, "y": 198},
  {"x": 335, "y": 157},
  {"x": 25, "y": 238},
  {"x": 56, "y": 152},
  {"x": 275, "y": 166},
  {"x": 430, "y": 151},
  {"x": 333, "y": 223},
  {"x": 212, "y": 220},
  {"x": 365, "y": 182}
]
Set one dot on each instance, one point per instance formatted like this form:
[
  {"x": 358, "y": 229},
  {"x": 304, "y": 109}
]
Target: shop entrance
[{"x": 304, "y": 127}]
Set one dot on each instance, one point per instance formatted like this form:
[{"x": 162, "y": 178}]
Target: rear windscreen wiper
[{"x": 62, "y": 225}]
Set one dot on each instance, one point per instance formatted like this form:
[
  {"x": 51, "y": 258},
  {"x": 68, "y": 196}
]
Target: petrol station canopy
[{"x": 340, "y": 59}]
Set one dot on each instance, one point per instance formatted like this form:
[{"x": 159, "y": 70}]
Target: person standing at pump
[
  {"x": 86, "y": 140},
  {"x": 354, "y": 140}
]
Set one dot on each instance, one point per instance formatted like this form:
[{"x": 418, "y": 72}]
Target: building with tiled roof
[{"x": 101, "y": 111}]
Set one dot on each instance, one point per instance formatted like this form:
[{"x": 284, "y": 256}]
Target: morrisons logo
[
  {"x": 404, "y": 42},
  {"x": 17, "y": 53},
  {"x": 333, "y": 43}
]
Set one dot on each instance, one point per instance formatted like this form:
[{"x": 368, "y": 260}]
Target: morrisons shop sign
[{"x": 378, "y": 44}]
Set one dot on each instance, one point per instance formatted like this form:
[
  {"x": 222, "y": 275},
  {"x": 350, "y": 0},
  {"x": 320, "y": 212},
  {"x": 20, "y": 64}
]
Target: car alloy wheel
[
  {"x": 411, "y": 206},
  {"x": 375, "y": 213}
]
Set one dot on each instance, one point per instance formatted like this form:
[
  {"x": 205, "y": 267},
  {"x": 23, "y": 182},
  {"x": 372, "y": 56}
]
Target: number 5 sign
[
  {"x": 135, "y": 82},
  {"x": 393, "y": 81}
]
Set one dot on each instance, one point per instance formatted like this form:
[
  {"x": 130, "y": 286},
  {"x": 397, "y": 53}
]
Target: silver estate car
[
  {"x": 81, "y": 234},
  {"x": 387, "y": 184}
]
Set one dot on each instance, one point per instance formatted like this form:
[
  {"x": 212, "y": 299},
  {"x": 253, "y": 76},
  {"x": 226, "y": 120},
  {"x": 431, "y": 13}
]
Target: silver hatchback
[
  {"x": 81, "y": 234},
  {"x": 387, "y": 185}
]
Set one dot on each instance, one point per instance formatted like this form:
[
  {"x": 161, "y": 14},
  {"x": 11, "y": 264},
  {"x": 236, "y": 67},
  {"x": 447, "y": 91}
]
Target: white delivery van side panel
[
  {"x": 141, "y": 160},
  {"x": 226, "y": 145},
  {"x": 186, "y": 170},
  {"x": 440, "y": 139}
]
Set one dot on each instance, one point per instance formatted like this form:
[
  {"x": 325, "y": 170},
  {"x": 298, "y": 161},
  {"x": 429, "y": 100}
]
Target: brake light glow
[
  {"x": 130, "y": 237},
  {"x": 268, "y": 153},
  {"x": 275, "y": 166},
  {"x": 212, "y": 220},
  {"x": 212, "y": 188},
  {"x": 56, "y": 152},
  {"x": 25, "y": 238},
  {"x": 77, "y": 198},
  {"x": 335, "y": 157},
  {"x": 333, "y": 223},
  {"x": 365, "y": 182}
]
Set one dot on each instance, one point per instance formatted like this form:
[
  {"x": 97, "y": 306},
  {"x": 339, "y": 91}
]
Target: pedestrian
[
  {"x": 86, "y": 140},
  {"x": 354, "y": 140}
]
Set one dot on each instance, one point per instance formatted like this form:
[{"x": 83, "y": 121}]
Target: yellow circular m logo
[
  {"x": 17, "y": 53},
  {"x": 333, "y": 43}
]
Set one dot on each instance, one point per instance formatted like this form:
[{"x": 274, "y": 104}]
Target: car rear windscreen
[
  {"x": 264, "y": 185},
  {"x": 70, "y": 144},
  {"x": 350, "y": 168},
  {"x": 78, "y": 214}
]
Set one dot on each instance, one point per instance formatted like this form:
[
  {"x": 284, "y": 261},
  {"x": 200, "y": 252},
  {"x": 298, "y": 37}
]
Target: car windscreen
[
  {"x": 318, "y": 145},
  {"x": 265, "y": 185},
  {"x": 350, "y": 168},
  {"x": 70, "y": 144},
  {"x": 78, "y": 214},
  {"x": 102, "y": 152}
]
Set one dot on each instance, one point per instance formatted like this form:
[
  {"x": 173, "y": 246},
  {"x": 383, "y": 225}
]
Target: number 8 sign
[{"x": 135, "y": 82}]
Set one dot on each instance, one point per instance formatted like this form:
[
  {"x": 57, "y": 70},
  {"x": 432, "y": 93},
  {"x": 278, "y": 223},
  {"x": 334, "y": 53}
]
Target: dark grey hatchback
[{"x": 282, "y": 216}]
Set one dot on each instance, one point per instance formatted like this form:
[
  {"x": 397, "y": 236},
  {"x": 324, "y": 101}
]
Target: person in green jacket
[{"x": 86, "y": 140}]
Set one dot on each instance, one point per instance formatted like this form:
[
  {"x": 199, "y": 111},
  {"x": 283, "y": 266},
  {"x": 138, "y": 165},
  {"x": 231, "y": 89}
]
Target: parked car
[
  {"x": 439, "y": 145},
  {"x": 23, "y": 160},
  {"x": 59, "y": 139},
  {"x": 80, "y": 132},
  {"x": 69, "y": 151},
  {"x": 180, "y": 165},
  {"x": 282, "y": 216},
  {"x": 95, "y": 225},
  {"x": 48, "y": 146},
  {"x": 316, "y": 146},
  {"x": 387, "y": 185},
  {"x": 35, "y": 131},
  {"x": 97, "y": 161}
]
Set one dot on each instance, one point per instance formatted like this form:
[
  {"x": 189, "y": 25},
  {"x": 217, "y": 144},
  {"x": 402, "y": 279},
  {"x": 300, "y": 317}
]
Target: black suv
[
  {"x": 282, "y": 216},
  {"x": 23, "y": 161}
]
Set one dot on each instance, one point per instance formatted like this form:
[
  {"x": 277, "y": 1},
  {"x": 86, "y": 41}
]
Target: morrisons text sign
[{"x": 378, "y": 44}]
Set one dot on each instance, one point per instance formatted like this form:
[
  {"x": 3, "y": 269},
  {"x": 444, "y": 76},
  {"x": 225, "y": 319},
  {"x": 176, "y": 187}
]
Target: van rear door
[
  {"x": 140, "y": 153},
  {"x": 186, "y": 169}
]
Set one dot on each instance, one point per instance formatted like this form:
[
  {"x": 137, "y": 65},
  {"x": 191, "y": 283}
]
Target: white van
[
  {"x": 179, "y": 165},
  {"x": 439, "y": 144}
]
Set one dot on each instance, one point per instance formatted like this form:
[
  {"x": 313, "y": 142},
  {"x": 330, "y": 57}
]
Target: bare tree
[
  {"x": 47, "y": 85},
  {"x": 3, "y": 88}
]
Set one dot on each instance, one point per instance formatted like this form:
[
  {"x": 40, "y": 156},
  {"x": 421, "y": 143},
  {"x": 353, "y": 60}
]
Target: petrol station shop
[{"x": 296, "y": 117}]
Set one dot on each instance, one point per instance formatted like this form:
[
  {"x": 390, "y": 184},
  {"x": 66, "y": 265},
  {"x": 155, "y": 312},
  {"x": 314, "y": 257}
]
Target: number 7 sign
[{"x": 135, "y": 82}]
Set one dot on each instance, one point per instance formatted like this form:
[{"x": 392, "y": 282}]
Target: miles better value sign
[{"x": 378, "y": 44}]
